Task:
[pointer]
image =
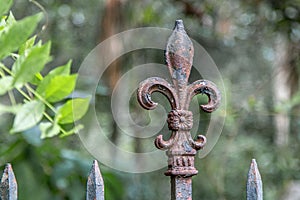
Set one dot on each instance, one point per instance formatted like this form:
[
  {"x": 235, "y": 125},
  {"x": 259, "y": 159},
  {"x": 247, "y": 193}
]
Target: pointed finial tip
[
  {"x": 179, "y": 24},
  {"x": 95, "y": 162}
]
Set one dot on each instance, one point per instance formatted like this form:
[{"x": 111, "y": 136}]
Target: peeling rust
[
  {"x": 181, "y": 188},
  {"x": 181, "y": 148}
]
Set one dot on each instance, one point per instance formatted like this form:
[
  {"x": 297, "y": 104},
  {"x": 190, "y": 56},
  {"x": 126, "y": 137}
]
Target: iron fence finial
[
  {"x": 8, "y": 185},
  {"x": 95, "y": 185},
  {"x": 254, "y": 183},
  {"x": 181, "y": 148}
]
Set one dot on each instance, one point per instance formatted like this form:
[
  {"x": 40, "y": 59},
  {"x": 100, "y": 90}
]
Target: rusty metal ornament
[{"x": 181, "y": 148}]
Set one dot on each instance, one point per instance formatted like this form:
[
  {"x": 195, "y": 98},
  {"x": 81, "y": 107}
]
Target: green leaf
[
  {"x": 12, "y": 38},
  {"x": 10, "y": 20},
  {"x": 72, "y": 110},
  {"x": 37, "y": 79},
  {"x": 2, "y": 23},
  {"x": 27, "y": 46},
  {"x": 6, "y": 84},
  {"x": 26, "y": 67},
  {"x": 28, "y": 116},
  {"x": 58, "y": 88},
  {"x": 62, "y": 70},
  {"x": 5, "y": 6},
  {"x": 49, "y": 130}
]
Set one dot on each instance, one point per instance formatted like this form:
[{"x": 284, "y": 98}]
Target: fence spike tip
[
  {"x": 95, "y": 185},
  {"x": 179, "y": 24},
  {"x": 8, "y": 185},
  {"x": 254, "y": 183}
]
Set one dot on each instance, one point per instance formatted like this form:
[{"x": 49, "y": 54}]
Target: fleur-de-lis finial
[{"x": 181, "y": 148}]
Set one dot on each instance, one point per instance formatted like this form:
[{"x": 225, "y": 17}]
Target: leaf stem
[
  {"x": 12, "y": 98},
  {"x": 10, "y": 94},
  {"x": 41, "y": 98}
]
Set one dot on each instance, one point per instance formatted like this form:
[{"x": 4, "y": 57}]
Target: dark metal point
[
  {"x": 254, "y": 183},
  {"x": 179, "y": 24},
  {"x": 8, "y": 185},
  {"x": 95, "y": 185}
]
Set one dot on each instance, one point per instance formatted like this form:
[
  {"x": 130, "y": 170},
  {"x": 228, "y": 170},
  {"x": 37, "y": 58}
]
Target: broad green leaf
[
  {"x": 57, "y": 88},
  {"x": 17, "y": 34},
  {"x": 5, "y": 6},
  {"x": 23, "y": 50},
  {"x": 49, "y": 130},
  {"x": 28, "y": 116},
  {"x": 60, "y": 87},
  {"x": 26, "y": 67},
  {"x": 72, "y": 110},
  {"x": 62, "y": 70},
  {"x": 6, "y": 84}
]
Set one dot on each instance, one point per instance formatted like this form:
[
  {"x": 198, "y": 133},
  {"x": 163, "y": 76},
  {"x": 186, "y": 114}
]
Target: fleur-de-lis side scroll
[{"x": 181, "y": 148}]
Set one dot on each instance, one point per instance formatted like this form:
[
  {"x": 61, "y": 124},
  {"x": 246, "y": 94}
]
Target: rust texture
[
  {"x": 95, "y": 185},
  {"x": 181, "y": 147},
  {"x": 254, "y": 183},
  {"x": 181, "y": 188},
  {"x": 8, "y": 185}
]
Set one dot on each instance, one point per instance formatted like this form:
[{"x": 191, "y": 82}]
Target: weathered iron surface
[
  {"x": 95, "y": 185},
  {"x": 254, "y": 183},
  {"x": 8, "y": 185},
  {"x": 181, "y": 188},
  {"x": 181, "y": 147}
]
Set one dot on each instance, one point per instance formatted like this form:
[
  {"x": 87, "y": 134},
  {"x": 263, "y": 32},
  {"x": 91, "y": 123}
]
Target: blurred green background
[{"x": 256, "y": 46}]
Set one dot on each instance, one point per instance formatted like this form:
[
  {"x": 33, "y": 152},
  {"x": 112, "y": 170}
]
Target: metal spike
[
  {"x": 95, "y": 185},
  {"x": 8, "y": 185},
  {"x": 254, "y": 183}
]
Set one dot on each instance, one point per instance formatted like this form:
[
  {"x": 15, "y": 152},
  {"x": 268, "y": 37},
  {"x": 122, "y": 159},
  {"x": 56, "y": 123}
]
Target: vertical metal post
[
  {"x": 8, "y": 185},
  {"x": 254, "y": 183},
  {"x": 95, "y": 185},
  {"x": 181, "y": 147}
]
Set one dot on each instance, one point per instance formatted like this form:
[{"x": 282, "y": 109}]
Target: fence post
[
  {"x": 181, "y": 148},
  {"x": 8, "y": 185},
  {"x": 254, "y": 183},
  {"x": 95, "y": 185}
]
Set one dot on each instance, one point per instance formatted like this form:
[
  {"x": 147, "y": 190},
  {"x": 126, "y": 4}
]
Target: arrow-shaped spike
[
  {"x": 95, "y": 185},
  {"x": 8, "y": 185},
  {"x": 254, "y": 183}
]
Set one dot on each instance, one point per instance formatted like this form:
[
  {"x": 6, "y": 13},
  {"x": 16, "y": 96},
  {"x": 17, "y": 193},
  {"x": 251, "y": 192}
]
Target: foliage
[
  {"x": 44, "y": 100},
  {"x": 239, "y": 35},
  {"x": 41, "y": 105}
]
